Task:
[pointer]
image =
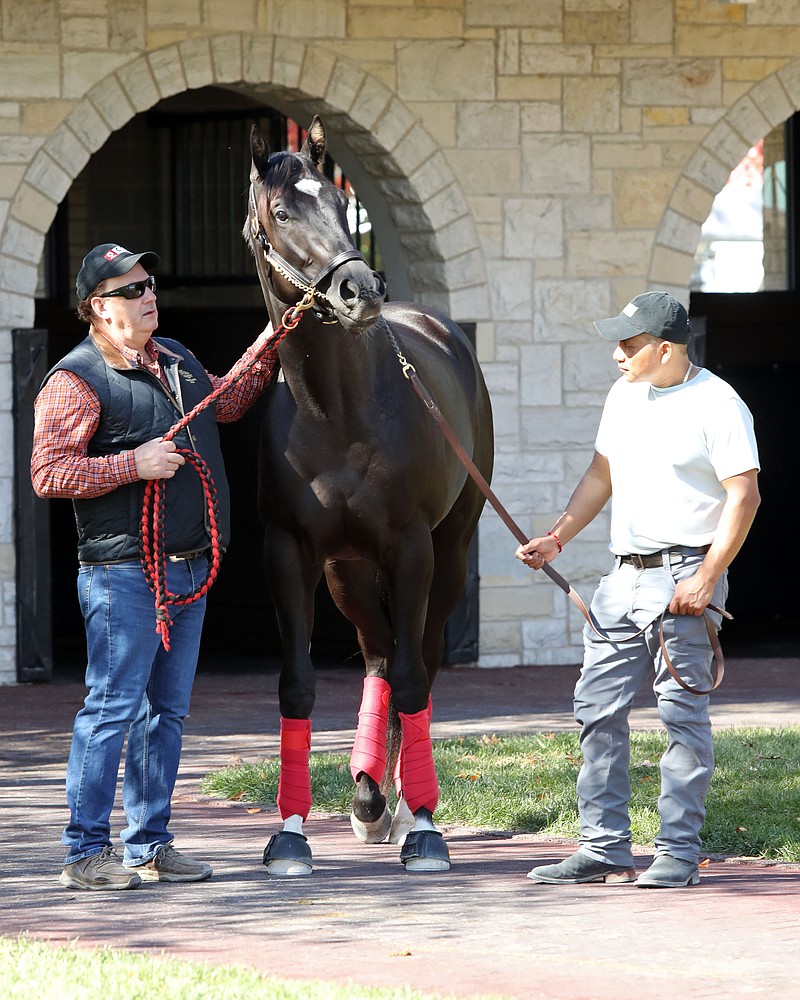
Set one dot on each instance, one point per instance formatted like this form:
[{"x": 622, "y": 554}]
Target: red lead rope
[{"x": 151, "y": 531}]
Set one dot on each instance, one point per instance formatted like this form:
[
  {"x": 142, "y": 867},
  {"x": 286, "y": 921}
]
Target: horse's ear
[
  {"x": 314, "y": 146},
  {"x": 259, "y": 150}
]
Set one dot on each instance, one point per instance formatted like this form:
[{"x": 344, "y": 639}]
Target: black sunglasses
[{"x": 133, "y": 291}]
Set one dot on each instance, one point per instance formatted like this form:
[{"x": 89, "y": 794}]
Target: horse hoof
[
  {"x": 402, "y": 824},
  {"x": 288, "y": 854},
  {"x": 425, "y": 851},
  {"x": 374, "y": 832}
]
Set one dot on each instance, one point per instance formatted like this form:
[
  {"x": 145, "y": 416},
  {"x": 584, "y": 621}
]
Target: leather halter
[{"x": 270, "y": 258}]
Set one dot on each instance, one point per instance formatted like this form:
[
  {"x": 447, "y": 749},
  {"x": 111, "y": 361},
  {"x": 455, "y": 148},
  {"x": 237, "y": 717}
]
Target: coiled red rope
[{"x": 151, "y": 530}]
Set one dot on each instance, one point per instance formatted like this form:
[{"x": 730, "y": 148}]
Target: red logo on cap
[{"x": 114, "y": 252}]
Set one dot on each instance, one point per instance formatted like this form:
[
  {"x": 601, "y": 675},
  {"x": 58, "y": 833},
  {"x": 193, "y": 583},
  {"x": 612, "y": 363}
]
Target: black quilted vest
[{"x": 136, "y": 407}]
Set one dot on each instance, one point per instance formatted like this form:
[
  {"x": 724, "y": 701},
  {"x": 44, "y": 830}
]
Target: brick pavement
[{"x": 480, "y": 929}]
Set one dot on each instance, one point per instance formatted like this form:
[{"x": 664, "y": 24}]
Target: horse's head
[{"x": 297, "y": 227}]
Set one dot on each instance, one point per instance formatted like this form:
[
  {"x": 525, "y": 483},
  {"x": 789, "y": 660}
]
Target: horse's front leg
[
  {"x": 370, "y": 817},
  {"x": 450, "y": 542},
  {"x": 424, "y": 848},
  {"x": 287, "y": 852},
  {"x": 292, "y": 583},
  {"x": 354, "y": 589}
]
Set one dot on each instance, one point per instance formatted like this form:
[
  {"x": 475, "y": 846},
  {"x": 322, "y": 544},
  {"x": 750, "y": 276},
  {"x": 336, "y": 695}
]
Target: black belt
[
  {"x": 188, "y": 556},
  {"x": 652, "y": 560}
]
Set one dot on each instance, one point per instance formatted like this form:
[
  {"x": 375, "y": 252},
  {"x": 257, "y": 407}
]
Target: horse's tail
[{"x": 393, "y": 734}]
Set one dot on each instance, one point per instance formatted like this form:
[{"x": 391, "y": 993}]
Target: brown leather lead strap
[
  {"x": 410, "y": 373},
  {"x": 713, "y": 638}
]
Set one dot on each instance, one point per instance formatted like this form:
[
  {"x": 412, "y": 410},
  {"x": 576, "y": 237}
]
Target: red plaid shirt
[{"x": 67, "y": 414}]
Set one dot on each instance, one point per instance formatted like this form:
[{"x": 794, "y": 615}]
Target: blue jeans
[
  {"x": 626, "y": 600},
  {"x": 137, "y": 688}
]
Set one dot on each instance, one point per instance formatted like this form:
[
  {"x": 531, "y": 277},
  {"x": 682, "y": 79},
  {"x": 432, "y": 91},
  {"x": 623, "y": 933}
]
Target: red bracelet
[{"x": 557, "y": 540}]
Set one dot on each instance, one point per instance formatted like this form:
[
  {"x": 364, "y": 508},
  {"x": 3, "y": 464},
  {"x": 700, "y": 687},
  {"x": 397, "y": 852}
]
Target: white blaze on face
[{"x": 309, "y": 186}]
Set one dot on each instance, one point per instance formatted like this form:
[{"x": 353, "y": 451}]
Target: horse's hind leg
[
  {"x": 451, "y": 541},
  {"x": 370, "y": 816},
  {"x": 353, "y": 586}
]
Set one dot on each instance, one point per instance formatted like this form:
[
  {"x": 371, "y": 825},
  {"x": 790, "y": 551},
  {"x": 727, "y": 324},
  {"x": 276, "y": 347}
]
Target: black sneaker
[
  {"x": 100, "y": 871},
  {"x": 667, "y": 872},
  {"x": 579, "y": 867}
]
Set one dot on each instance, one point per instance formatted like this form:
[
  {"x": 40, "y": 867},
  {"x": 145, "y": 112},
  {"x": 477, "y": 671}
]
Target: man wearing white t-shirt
[{"x": 676, "y": 454}]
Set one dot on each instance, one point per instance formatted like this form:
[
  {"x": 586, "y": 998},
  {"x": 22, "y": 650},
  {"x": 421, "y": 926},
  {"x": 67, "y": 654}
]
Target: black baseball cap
[
  {"x": 651, "y": 312},
  {"x": 109, "y": 260}
]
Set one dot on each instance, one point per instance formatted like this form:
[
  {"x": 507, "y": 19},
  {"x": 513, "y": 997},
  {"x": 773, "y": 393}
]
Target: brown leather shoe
[
  {"x": 99, "y": 871},
  {"x": 169, "y": 865}
]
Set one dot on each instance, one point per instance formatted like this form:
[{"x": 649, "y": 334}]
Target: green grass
[
  {"x": 31, "y": 968},
  {"x": 526, "y": 784}
]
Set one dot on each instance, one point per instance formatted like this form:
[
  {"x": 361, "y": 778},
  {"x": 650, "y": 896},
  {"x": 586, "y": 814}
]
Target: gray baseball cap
[{"x": 651, "y": 312}]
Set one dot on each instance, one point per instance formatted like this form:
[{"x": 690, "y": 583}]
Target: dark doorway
[{"x": 753, "y": 342}]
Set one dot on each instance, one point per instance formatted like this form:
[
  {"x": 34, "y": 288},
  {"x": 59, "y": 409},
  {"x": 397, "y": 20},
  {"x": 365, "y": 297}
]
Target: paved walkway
[{"x": 481, "y": 929}]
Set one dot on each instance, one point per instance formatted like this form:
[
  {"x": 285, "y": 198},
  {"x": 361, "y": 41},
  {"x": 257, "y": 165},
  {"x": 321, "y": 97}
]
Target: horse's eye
[{"x": 281, "y": 215}]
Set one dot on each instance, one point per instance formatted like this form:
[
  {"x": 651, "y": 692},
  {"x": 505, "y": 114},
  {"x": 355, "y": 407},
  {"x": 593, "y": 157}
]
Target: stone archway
[
  {"x": 765, "y": 106},
  {"x": 421, "y": 216}
]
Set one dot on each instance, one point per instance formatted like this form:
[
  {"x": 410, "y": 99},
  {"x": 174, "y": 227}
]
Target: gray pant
[{"x": 626, "y": 600}]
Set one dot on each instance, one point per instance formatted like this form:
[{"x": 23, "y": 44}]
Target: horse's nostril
[{"x": 356, "y": 294}]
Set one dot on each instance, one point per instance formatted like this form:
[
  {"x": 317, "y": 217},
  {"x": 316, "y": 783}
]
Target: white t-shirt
[{"x": 668, "y": 450}]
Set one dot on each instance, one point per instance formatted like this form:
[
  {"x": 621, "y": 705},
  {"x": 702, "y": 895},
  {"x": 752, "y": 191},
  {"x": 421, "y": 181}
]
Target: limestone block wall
[{"x": 529, "y": 165}]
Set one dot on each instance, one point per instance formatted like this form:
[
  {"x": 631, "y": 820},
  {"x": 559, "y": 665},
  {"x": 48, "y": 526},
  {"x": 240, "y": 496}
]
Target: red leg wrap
[
  {"x": 294, "y": 784},
  {"x": 397, "y": 777},
  {"x": 369, "y": 747},
  {"x": 420, "y": 786}
]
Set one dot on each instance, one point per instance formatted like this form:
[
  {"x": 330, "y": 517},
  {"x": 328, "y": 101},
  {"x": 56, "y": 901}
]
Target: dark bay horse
[{"x": 356, "y": 481}]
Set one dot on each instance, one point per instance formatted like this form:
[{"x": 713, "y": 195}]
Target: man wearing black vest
[{"x": 101, "y": 416}]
